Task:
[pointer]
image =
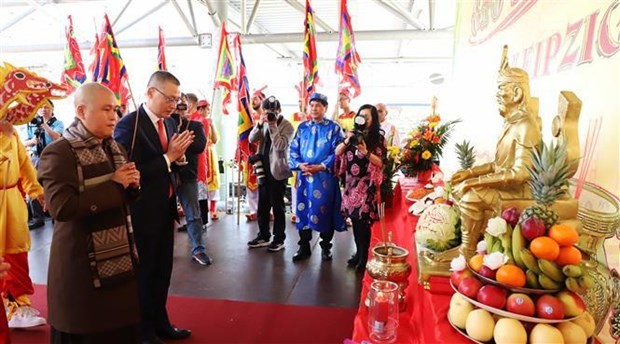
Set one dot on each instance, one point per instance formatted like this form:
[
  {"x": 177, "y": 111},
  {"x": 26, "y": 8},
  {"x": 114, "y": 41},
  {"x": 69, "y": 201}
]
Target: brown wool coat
[{"x": 75, "y": 305}]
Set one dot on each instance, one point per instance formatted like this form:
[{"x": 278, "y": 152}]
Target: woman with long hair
[{"x": 363, "y": 152}]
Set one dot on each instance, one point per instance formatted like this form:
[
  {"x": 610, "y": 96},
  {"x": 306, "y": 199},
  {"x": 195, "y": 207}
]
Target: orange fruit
[
  {"x": 475, "y": 262},
  {"x": 510, "y": 275},
  {"x": 545, "y": 248},
  {"x": 569, "y": 255},
  {"x": 564, "y": 235}
]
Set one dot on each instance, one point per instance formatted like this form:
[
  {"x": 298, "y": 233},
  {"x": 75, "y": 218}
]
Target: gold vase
[
  {"x": 389, "y": 263},
  {"x": 599, "y": 213}
]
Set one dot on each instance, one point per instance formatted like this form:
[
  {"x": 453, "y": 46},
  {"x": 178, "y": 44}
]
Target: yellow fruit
[
  {"x": 546, "y": 334},
  {"x": 572, "y": 333},
  {"x": 475, "y": 262},
  {"x": 509, "y": 331},
  {"x": 586, "y": 322},
  {"x": 480, "y": 325}
]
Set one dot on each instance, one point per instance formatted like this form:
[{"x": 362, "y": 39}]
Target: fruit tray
[
  {"x": 507, "y": 314},
  {"x": 464, "y": 334},
  {"x": 513, "y": 289}
]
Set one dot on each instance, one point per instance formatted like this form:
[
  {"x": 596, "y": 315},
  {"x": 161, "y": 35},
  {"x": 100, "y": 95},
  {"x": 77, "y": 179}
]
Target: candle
[{"x": 382, "y": 311}]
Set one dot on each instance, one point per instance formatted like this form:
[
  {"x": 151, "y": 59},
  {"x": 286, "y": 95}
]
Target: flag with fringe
[
  {"x": 244, "y": 124},
  {"x": 161, "y": 54},
  {"x": 73, "y": 74},
  {"x": 112, "y": 70},
  {"x": 311, "y": 64},
  {"x": 95, "y": 52},
  {"x": 347, "y": 59},
  {"x": 225, "y": 71}
]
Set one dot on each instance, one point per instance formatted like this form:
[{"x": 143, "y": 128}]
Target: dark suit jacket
[
  {"x": 190, "y": 172},
  {"x": 155, "y": 178}
]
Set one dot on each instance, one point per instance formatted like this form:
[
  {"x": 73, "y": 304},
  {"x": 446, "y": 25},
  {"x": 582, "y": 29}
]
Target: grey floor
[{"x": 243, "y": 274}]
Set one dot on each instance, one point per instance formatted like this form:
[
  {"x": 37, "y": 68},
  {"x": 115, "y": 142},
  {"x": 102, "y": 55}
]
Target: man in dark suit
[{"x": 156, "y": 148}]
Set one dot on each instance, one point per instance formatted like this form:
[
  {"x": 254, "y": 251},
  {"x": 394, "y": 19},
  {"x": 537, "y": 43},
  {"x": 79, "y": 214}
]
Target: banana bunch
[
  {"x": 541, "y": 273},
  {"x": 518, "y": 243},
  {"x": 577, "y": 279},
  {"x": 493, "y": 243}
]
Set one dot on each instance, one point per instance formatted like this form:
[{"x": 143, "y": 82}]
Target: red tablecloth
[{"x": 424, "y": 320}]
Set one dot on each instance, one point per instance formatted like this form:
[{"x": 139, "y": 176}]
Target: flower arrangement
[
  {"x": 390, "y": 167},
  {"x": 425, "y": 144}
]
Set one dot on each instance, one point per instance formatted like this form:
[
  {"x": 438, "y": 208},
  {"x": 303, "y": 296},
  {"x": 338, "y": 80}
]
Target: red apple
[
  {"x": 573, "y": 304},
  {"x": 521, "y": 304},
  {"x": 511, "y": 215},
  {"x": 549, "y": 307},
  {"x": 532, "y": 228},
  {"x": 457, "y": 276},
  {"x": 487, "y": 272},
  {"x": 469, "y": 287},
  {"x": 491, "y": 295}
]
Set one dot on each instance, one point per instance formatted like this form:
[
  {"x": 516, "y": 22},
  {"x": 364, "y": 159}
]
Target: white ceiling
[{"x": 395, "y": 54}]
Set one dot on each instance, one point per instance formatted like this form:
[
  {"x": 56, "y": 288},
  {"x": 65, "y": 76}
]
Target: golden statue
[{"x": 480, "y": 190}]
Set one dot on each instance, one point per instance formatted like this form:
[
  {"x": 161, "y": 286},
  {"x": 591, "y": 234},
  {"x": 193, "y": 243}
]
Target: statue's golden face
[{"x": 507, "y": 96}]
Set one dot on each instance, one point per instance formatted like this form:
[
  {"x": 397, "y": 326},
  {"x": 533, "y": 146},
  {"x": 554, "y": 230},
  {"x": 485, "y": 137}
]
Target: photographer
[
  {"x": 364, "y": 151},
  {"x": 273, "y": 133},
  {"x": 42, "y": 130}
]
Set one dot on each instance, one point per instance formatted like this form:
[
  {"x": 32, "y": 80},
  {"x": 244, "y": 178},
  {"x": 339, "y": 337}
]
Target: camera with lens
[
  {"x": 181, "y": 107},
  {"x": 259, "y": 170},
  {"x": 271, "y": 106},
  {"x": 37, "y": 122},
  {"x": 359, "y": 125}
]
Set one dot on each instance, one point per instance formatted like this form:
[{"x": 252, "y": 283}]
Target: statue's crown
[{"x": 508, "y": 74}]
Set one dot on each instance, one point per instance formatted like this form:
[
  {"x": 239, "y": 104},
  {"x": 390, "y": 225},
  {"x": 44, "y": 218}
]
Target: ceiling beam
[
  {"x": 301, "y": 8},
  {"x": 401, "y": 43},
  {"x": 252, "y": 16},
  {"x": 441, "y": 36},
  {"x": 401, "y": 13},
  {"x": 244, "y": 23},
  {"x": 18, "y": 18},
  {"x": 189, "y": 26},
  {"x": 431, "y": 14},
  {"x": 121, "y": 13},
  {"x": 212, "y": 12},
  {"x": 139, "y": 19},
  {"x": 191, "y": 13}
]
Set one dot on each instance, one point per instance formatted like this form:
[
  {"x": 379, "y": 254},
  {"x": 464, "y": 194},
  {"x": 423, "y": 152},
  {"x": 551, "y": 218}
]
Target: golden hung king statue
[{"x": 479, "y": 190}]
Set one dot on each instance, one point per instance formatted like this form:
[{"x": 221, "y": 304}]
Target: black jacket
[{"x": 190, "y": 172}]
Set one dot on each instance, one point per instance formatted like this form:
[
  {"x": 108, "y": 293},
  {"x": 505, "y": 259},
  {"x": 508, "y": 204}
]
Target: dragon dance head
[{"x": 24, "y": 92}]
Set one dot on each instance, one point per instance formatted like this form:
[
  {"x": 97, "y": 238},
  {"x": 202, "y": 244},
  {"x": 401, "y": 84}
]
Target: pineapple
[
  {"x": 549, "y": 176},
  {"x": 466, "y": 155}
]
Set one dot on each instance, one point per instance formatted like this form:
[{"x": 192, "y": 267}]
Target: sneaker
[
  {"x": 202, "y": 258},
  {"x": 36, "y": 223},
  {"x": 275, "y": 246},
  {"x": 258, "y": 242},
  {"x": 26, "y": 316}
]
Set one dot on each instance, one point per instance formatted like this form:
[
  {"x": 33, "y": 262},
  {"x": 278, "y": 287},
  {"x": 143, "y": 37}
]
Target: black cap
[{"x": 271, "y": 103}]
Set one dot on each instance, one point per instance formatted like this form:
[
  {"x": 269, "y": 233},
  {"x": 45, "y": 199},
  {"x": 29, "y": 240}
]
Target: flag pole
[{"x": 239, "y": 183}]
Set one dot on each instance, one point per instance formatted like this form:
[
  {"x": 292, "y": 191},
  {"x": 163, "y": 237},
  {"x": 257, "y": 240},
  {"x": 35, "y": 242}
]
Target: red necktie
[{"x": 163, "y": 139}]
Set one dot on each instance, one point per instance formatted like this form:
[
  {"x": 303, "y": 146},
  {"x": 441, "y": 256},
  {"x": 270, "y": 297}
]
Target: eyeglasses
[{"x": 169, "y": 99}]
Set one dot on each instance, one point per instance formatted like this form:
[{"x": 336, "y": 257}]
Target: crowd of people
[{"x": 113, "y": 182}]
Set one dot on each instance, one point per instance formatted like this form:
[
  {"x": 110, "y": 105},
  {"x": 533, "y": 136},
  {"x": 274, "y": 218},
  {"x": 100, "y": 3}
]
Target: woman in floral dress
[{"x": 363, "y": 168}]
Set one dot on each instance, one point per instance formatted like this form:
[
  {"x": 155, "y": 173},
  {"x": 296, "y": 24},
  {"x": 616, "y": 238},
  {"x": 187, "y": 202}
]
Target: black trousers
[
  {"x": 361, "y": 235},
  {"x": 155, "y": 249},
  {"x": 271, "y": 196},
  {"x": 305, "y": 236}
]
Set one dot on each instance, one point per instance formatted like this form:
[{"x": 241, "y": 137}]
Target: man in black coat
[{"x": 157, "y": 149}]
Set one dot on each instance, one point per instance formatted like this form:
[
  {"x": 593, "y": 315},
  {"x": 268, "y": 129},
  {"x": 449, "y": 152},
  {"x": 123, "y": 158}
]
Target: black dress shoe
[
  {"x": 353, "y": 261},
  {"x": 326, "y": 255},
  {"x": 173, "y": 333},
  {"x": 36, "y": 223},
  {"x": 301, "y": 255}
]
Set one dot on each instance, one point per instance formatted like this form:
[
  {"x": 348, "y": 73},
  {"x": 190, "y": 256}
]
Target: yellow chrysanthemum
[
  {"x": 414, "y": 143},
  {"x": 426, "y": 155},
  {"x": 433, "y": 124}
]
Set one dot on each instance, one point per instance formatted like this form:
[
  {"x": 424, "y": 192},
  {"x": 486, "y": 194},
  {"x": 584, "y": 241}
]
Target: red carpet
[{"x": 223, "y": 321}]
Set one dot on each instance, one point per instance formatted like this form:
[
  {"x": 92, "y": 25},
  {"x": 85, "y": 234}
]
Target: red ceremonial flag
[
  {"x": 225, "y": 72},
  {"x": 244, "y": 123},
  {"x": 95, "y": 52},
  {"x": 347, "y": 58},
  {"x": 73, "y": 74},
  {"x": 311, "y": 65},
  {"x": 161, "y": 55},
  {"x": 112, "y": 71}
]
